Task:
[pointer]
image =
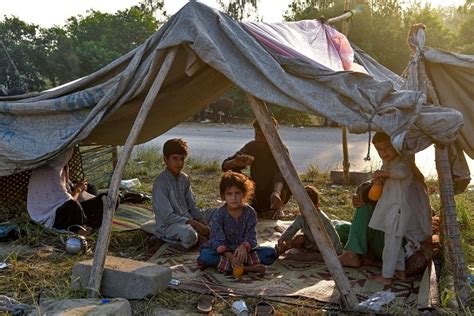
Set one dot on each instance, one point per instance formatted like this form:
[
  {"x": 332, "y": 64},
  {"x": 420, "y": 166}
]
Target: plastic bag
[{"x": 376, "y": 301}]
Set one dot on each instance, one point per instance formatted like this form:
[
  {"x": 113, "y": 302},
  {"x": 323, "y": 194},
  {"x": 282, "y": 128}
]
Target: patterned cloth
[
  {"x": 209, "y": 257},
  {"x": 228, "y": 233}
]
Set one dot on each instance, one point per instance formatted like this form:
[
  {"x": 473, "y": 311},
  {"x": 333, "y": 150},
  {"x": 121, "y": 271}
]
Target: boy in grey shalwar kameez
[
  {"x": 178, "y": 219},
  {"x": 401, "y": 212}
]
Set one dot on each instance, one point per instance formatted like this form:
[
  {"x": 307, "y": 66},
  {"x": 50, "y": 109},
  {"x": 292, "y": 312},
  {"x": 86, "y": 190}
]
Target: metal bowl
[{"x": 76, "y": 244}]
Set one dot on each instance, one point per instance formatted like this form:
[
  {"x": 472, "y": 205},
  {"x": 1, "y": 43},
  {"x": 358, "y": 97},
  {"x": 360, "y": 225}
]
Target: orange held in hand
[
  {"x": 238, "y": 271},
  {"x": 375, "y": 192}
]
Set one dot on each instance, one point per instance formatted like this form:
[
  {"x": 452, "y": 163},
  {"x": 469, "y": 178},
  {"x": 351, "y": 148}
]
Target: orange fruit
[
  {"x": 375, "y": 192},
  {"x": 238, "y": 271}
]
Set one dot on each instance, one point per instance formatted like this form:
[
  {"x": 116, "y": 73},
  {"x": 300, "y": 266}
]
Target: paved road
[{"x": 318, "y": 146}]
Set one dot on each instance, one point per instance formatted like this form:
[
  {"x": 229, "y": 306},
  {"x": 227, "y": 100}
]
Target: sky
[{"x": 47, "y": 13}]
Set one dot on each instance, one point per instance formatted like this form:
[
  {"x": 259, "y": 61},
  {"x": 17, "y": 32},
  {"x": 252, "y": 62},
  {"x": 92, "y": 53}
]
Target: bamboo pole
[
  {"x": 111, "y": 199},
  {"x": 312, "y": 217}
]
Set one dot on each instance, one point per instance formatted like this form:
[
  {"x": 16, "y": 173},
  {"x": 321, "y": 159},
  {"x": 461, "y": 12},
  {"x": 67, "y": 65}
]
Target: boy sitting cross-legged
[
  {"x": 178, "y": 220},
  {"x": 305, "y": 240}
]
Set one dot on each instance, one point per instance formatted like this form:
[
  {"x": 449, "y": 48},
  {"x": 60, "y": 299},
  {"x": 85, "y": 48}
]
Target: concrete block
[
  {"x": 89, "y": 307},
  {"x": 355, "y": 177},
  {"x": 126, "y": 278}
]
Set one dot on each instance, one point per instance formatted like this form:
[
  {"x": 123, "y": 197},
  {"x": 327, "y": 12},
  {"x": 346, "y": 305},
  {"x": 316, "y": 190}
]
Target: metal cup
[{"x": 240, "y": 308}]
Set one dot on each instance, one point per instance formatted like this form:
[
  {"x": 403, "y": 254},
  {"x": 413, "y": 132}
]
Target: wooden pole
[
  {"x": 450, "y": 225},
  {"x": 111, "y": 199},
  {"x": 114, "y": 157},
  {"x": 450, "y": 229},
  {"x": 345, "y": 148},
  {"x": 345, "y": 16},
  {"x": 306, "y": 205}
]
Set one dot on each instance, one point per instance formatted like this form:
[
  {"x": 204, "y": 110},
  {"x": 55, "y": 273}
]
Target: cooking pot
[{"x": 76, "y": 244}]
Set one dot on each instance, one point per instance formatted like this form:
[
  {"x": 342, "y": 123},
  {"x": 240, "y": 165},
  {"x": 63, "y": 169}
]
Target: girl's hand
[
  {"x": 80, "y": 187},
  {"x": 381, "y": 174},
  {"x": 241, "y": 254},
  {"x": 235, "y": 262}
]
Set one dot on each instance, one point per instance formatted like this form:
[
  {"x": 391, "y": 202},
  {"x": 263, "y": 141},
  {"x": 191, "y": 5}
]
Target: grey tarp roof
[
  {"x": 453, "y": 79},
  {"x": 215, "y": 52}
]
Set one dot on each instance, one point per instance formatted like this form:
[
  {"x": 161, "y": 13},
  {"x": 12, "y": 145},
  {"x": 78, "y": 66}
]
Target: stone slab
[
  {"x": 355, "y": 177},
  {"x": 126, "y": 278},
  {"x": 89, "y": 307}
]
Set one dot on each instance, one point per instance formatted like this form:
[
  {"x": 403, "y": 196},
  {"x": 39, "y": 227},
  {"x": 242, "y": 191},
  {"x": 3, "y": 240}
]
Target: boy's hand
[
  {"x": 241, "y": 254},
  {"x": 201, "y": 229},
  {"x": 357, "y": 202}
]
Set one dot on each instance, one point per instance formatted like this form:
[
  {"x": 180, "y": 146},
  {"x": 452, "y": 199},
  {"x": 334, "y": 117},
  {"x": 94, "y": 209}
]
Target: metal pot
[{"x": 76, "y": 244}]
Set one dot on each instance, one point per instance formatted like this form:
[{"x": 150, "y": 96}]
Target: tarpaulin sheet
[{"x": 215, "y": 53}]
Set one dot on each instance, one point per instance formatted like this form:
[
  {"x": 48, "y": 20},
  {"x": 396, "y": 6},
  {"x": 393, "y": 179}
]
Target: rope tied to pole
[{"x": 369, "y": 144}]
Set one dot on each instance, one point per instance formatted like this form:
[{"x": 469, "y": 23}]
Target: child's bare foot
[
  {"x": 380, "y": 279},
  {"x": 400, "y": 275},
  {"x": 350, "y": 259},
  {"x": 256, "y": 268}
]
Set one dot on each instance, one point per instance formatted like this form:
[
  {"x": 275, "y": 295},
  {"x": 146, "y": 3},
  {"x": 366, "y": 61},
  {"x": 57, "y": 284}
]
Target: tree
[
  {"x": 437, "y": 34},
  {"x": 239, "y": 9},
  {"x": 19, "y": 55},
  {"x": 61, "y": 62},
  {"x": 465, "y": 37},
  {"x": 99, "y": 38}
]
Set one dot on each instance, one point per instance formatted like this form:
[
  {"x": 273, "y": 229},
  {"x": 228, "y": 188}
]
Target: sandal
[
  {"x": 205, "y": 302},
  {"x": 264, "y": 308}
]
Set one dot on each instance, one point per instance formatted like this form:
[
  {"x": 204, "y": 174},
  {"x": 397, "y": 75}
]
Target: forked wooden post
[
  {"x": 306, "y": 205},
  {"x": 110, "y": 201},
  {"x": 346, "y": 179},
  {"x": 449, "y": 224}
]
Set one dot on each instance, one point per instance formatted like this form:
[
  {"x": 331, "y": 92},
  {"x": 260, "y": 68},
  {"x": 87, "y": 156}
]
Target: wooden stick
[
  {"x": 111, "y": 200},
  {"x": 345, "y": 147},
  {"x": 306, "y": 205},
  {"x": 342, "y": 17}
]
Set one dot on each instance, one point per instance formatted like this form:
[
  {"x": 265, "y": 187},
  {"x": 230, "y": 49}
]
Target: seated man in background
[
  {"x": 178, "y": 219},
  {"x": 271, "y": 191}
]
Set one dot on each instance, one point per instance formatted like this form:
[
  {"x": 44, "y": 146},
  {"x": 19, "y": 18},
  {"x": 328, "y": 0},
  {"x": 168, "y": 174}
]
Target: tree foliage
[
  {"x": 99, "y": 38},
  {"x": 239, "y": 9},
  {"x": 47, "y": 57}
]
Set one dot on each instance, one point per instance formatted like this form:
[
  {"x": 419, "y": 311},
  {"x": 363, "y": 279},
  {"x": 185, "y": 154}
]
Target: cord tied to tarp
[{"x": 369, "y": 144}]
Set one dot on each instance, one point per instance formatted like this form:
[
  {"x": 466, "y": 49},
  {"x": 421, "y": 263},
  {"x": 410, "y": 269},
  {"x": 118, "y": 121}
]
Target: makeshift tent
[{"x": 193, "y": 59}]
